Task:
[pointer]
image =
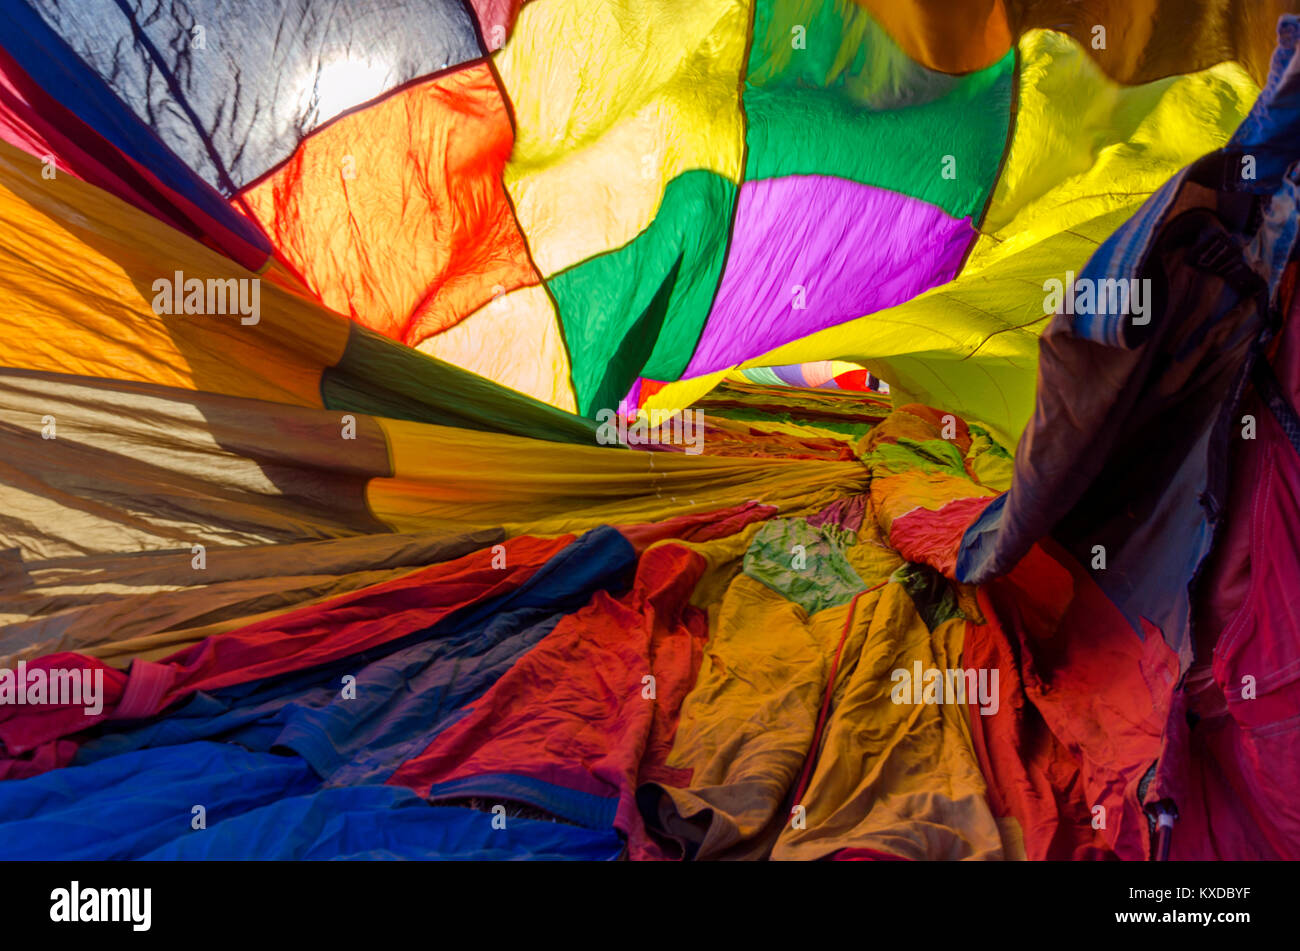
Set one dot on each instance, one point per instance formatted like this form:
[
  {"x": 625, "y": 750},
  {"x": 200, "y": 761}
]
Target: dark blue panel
[{"x": 53, "y": 65}]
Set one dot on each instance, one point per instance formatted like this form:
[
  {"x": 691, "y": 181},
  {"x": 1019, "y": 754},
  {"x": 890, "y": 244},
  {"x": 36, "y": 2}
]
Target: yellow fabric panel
[
  {"x": 900, "y": 778},
  {"x": 1085, "y": 146},
  {"x": 458, "y": 480},
  {"x": 613, "y": 99},
  {"x": 1013, "y": 839},
  {"x": 514, "y": 340},
  {"x": 77, "y": 267},
  {"x": 872, "y": 557},
  {"x": 896, "y": 495},
  {"x": 746, "y": 727},
  {"x": 682, "y": 393},
  {"x": 135, "y": 467},
  {"x": 991, "y": 469}
]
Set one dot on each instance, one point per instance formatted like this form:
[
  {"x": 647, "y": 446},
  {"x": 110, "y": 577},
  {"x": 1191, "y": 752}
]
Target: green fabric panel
[
  {"x": 853, "y": 105},
  {"x": 380, "y": 377},
  {"x": 942, "y": 453},
  {"x": 826, "y": 578},
  {"x": 631, "y": 351},
  {"x": 764, "y": 375},
  {"x": 745, "y": 415},
  {"x": 602, "y": 300},
  {"x": 930, "y": 591},
  {"x": 930, "y": 455},
  {"x": 982, "y": 438}
]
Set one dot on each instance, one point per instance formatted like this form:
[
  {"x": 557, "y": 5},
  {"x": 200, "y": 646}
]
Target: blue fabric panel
[
  {"x": 128, "y": 805},
  {"x": 386, "y": 822}
]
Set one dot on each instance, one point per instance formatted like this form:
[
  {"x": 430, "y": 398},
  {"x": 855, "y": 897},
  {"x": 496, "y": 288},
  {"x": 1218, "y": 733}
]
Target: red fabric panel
[
  {"x": 1236, "y": 795},
  {"x": 1233, "y": 774},
  {"x": 571, "y": 712},
  {"x": 1226, "y": 802},
  {"x": 933, "y": 536},
  {"x": 496, "y": 19},
  {"x": 697, "y": 527},
  {"x": 29, "y": 735},
  {"x": 1082, "y": 707},
  {"x": 853, "y": 380}
]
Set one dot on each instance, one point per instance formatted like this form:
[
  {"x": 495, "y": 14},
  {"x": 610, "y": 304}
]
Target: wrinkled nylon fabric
[{"x": 513, "y": 216}]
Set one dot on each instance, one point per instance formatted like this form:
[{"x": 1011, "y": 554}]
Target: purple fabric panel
[
  {"x": 790, "y": 375},
  {"x": 855, "y": 249}
]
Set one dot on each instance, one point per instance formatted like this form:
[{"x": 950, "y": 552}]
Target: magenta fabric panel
[
  {"x": 810, "y": 251},
  {"x": 1256, "y": 665},
  {"x": 633, "y": 398}
]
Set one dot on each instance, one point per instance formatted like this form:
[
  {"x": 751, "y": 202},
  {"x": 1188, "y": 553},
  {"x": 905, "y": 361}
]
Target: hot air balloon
[{"x": 788, "y": 429}]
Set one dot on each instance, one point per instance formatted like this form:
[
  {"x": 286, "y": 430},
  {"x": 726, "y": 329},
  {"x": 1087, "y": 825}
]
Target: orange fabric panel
[
  {"x": 1147, "y": 40},
  {"x": 77, "y": 275},
  {"x": 396, "y": 215},
  {"x": 952, "y": 36}
]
